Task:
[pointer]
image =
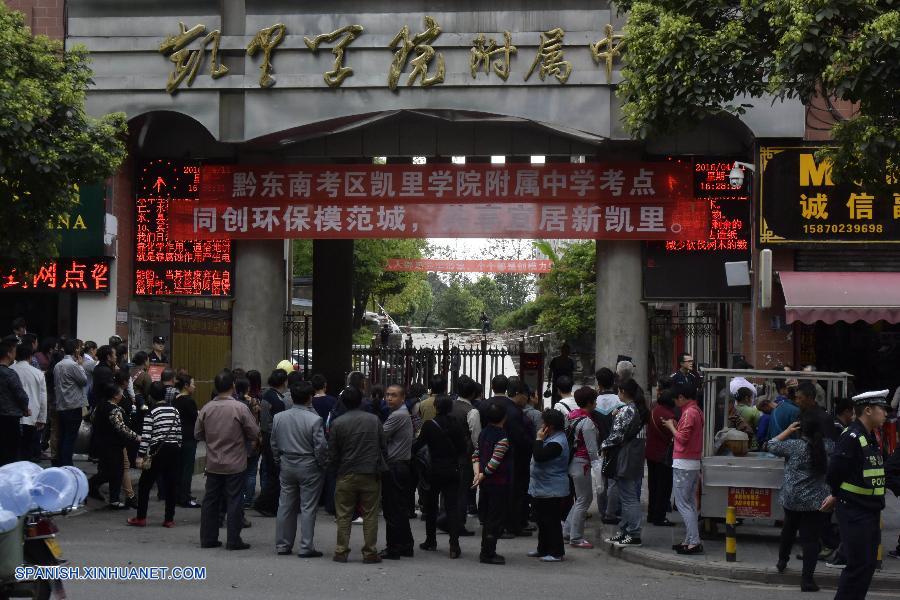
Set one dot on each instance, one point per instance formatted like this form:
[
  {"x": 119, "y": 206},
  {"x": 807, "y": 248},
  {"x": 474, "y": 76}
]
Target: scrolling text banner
[{"x": 639, "y": 201}]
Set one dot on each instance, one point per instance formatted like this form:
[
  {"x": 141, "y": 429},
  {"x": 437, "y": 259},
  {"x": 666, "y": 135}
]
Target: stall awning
[{"x": 832, "y": 297}]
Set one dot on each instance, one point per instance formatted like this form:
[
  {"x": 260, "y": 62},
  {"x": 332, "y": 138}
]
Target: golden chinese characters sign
[
  {"x": 799, "y": 203},
  {"x": 412, "y": 52}
]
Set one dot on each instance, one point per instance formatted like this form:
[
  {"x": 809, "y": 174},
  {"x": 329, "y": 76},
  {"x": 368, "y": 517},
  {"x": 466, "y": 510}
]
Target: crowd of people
[{"x": 499, "y": 456}]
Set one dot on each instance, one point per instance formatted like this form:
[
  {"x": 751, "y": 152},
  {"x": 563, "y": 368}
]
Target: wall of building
[
  {"x": 769, "y": 343},
  {"x": 45, "y": 17}
]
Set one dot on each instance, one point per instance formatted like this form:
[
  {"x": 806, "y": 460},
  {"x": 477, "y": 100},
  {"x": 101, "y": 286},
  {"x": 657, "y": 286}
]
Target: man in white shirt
[
  {"x": 566, "y": 402},
  {"x": 35, "y": 387}
]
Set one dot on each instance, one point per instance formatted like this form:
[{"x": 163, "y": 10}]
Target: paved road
[{"x": 101, "y": 538}]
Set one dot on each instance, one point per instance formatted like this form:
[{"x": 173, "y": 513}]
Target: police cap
[{"x": 878, "y": 398}]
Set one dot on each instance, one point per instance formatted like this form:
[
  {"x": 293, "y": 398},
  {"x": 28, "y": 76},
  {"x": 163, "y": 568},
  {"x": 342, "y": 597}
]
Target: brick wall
[
  {"x": 45, "y": 17},
  {"x": 774, "y": 347}
]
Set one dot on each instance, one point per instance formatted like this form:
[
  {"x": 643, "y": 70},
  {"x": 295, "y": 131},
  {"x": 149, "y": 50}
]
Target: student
[{"x": 493, "y": 474}]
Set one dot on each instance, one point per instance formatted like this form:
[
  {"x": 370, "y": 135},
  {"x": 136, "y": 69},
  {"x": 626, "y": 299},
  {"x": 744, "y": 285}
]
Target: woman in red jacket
[{"x": 659, "y": 461}]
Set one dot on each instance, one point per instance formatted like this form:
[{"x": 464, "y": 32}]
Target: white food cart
[{"x": 751, "y": 483}]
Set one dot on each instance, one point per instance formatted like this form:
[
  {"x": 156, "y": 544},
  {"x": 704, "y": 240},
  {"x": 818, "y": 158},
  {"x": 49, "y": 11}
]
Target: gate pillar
[{"x": 332, "y": 327}]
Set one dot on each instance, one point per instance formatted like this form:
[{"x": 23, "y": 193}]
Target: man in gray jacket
[
  {"x": 357, "y": 451},
  {"x": 299, "y": 449},
  {"x": 70, "y": 382}
]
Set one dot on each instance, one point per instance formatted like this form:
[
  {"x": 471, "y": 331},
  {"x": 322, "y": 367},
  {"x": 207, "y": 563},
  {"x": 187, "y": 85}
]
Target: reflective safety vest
[{"x": 872, "y": 483}]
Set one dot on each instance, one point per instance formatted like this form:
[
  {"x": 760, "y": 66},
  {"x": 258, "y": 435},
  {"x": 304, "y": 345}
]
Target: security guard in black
[{"x": 856, "y": 477}]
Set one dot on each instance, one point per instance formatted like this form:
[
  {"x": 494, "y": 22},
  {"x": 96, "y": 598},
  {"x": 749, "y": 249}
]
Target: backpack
[{"x": 572, "y": 435}]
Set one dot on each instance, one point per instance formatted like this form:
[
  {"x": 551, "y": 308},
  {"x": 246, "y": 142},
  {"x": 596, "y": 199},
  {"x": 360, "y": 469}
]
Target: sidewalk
[{"x": 757, "y": 553}]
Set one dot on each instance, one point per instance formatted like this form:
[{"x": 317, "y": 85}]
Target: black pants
[
  {"x": 659, "y": 485},
  {"x": 464, "y": 486},
  {"x": 518, "y": 493},
  {"x": 494, "y": 500},
  {"x": 10, "y": 439},
  {"x": 69, "y": 424},
  {"x": 394, "y": 486},
  {"x": 442, "y": 483},
  {"x": 549, "y": 522},
  {"x": 110, "y": 470},
  {"x": 165, "y": 463},
  {"x": 30, "y": 446},
  {"x": 860, "y": 536},
  {"x": 810, "y": 524},
  {"x": 267, "y": 501},
  {"x": 230, "y": 490}
]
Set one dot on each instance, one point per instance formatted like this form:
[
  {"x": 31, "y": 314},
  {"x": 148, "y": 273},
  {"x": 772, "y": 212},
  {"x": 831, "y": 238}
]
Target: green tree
[
  {"x": 458, "y": 307},
  {"x": 685, "y": 60},
  {"x": 489, "y": 292},
  {"x": 48, "y": 144},
  {"x": 370, "y": 280},
  {"x": 566, "y": 297}
]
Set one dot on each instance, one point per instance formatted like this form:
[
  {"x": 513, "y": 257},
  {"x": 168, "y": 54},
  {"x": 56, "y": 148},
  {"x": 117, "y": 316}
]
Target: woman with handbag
[
  {"x": 624, "y": 460},
  {"x": 660, "y": 443},
  {"x": 443, "y": 437},
  {"x": 159, "y": 455}
]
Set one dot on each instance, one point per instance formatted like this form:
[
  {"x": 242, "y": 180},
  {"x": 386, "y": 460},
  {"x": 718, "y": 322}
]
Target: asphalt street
[{"x": 101, "y": 538}]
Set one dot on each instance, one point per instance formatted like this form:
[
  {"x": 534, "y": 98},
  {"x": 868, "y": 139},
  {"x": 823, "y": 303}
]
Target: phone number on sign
[{"x": 844, "y": 228}]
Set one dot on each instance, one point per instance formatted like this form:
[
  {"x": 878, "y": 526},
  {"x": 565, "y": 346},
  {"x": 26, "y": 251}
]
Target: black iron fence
[{"x": 407, "y": 364}]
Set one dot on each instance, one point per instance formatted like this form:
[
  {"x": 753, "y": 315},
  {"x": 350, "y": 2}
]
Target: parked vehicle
[{"x": 33, "y": 542}]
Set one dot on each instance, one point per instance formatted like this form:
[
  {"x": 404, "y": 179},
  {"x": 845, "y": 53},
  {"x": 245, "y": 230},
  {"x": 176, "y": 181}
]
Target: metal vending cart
[{"x": 751, "y": 483}]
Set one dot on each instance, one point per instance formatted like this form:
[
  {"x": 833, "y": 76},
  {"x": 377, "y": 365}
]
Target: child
[{"x": 493, "y": 473}]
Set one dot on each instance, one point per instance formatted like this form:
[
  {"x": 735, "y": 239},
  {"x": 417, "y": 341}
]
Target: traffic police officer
[{"x": 856, "y": 478}]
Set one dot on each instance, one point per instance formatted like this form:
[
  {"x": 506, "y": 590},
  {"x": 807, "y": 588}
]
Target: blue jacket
[
  {"x": 550, "y": 478},
  {"x": 784, "y": 414}
]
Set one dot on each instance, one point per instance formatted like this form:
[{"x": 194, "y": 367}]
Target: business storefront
[
  {"x": 65, "y": 296},
  {"x": 837, "y": 293}
]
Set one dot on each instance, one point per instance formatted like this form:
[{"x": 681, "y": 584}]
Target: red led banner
[
  {"x": 638, "y": 201},
  {"x": 273, "y": 220},
  {"x": 164, "y": 266},
  {"x": 607, "y": 183},
  {"x": 469, "y": 266},
  {"x": 60, "y": 275}
]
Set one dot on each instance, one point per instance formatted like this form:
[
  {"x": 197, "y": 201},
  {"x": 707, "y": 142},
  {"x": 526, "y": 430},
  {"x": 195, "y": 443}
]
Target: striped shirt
[
  {"x": 500, "y": 450},
  {"x": 162, "y": 425}
]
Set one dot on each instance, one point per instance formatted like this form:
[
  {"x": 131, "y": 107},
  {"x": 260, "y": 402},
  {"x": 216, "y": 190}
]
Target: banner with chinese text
[
  {"x": 799, "y": 203},
  {"x": 639, "y": 201},
  {"x": 468, "y": 266}
]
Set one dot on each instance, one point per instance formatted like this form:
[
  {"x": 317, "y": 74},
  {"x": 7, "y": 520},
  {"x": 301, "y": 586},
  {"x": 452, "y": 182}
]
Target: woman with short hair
[{"x": 549, "y": 485}]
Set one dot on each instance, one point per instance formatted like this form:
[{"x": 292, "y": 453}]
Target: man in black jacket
[{"x": 520, "y": 443}]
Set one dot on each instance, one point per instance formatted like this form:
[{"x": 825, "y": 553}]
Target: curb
[{"x": 826, "y": 577}]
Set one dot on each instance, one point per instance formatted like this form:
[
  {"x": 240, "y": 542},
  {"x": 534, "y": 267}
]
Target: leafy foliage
[
  {"x": 48, "y": 144},
  {"x": 458, "y": 306},
  {"x": 566, "y": 296},
  {"x": 402, "y": 294},
  {"x": 689, "y": 59}
]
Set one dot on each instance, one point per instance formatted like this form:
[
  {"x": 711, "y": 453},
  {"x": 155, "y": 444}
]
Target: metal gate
[
  {"x": 408, "y": 365},
  {"x": 672, "y": 332},
  {"x": 297, "y": 330}
]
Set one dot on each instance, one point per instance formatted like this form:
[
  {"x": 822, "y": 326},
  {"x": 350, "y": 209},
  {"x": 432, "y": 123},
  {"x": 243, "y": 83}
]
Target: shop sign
[
  {"x": 428, "y": 265},
  {"x": 750, "y": 502},
  {"x": 81, "y": 230},
  {"x": 637, "y": 201},
  {"x": 411, "y": 58},
  {"x": 164, "y": 266},
  {"x": 60, "y": 275},
  {"x": 800, "y": 204}
]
